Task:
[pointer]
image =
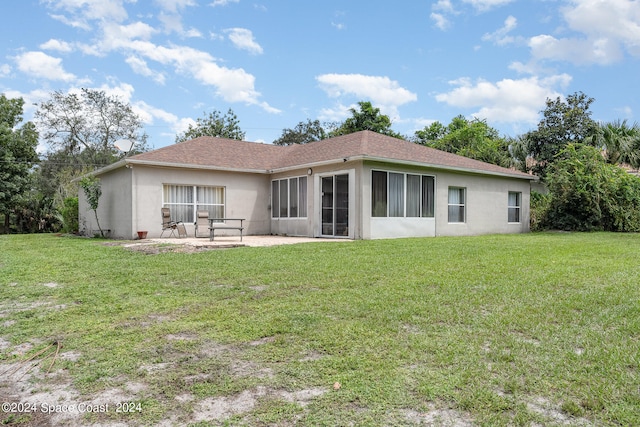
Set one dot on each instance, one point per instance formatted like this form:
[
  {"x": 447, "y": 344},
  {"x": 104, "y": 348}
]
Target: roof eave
[
  {"x": 194, "y": 166},
  {"x": 101, "y": 171},
  {"x": 452, "y": 168},
  {"x": 403, "y": 162}
]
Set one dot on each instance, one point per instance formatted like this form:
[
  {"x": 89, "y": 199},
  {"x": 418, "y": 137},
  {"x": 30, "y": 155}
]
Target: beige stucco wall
[
  {"x": 114, "y": 206},
  {"x": 246, "y": 194},
  {"x": 132, "y": 199},
  {"x": 311, "y": 225},
  {"x": 486, "y": 206}
]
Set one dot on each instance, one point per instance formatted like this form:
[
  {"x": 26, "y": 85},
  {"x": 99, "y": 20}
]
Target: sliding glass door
[{"x": 335, "y": 205}]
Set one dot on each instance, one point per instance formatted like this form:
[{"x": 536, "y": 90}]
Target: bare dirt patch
[
  {"x": 438, "y": 417},
  {"x": 553, "y": 414},
  {"x": 222, "y": 408}
]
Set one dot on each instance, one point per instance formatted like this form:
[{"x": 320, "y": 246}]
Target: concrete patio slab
[{"x": 234, "y": 241}]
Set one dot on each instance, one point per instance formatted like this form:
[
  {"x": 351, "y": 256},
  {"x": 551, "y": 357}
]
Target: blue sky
[{"x": 276, "y": 63}]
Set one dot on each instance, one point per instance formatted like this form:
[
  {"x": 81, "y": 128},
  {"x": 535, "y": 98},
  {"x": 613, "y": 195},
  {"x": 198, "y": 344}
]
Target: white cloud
[
  {"x": 139, "y": 66},
  {"x": 5, "y": 70},
  {"x": 172, "y": 23},
  {"x": 338, "y": 26},
  {"x": 242, "y": 38},
  {"x": 134, "y": 42},
  {"x": 148, "y": 113},
  {"x": 39, "y": 64},
  {"x": 385, "y": 93},
  {"x": 484, "y": 5},
  {"x": 440, "y": 21},
  {"x": 604, "y": 32},
  {"x": 174, "y": 6},
  {"x": 443, "y": 10},
  {"x": 501, "y": 36},
  {"x": 84, "y": 11},
  {"x": 123, "y": 91},
  {"x": 618, "y": 21},
  {"x": 338, "y": 113},
  {"x": 223, "y": 2},
  {"x": 233, "y": 85},
  {"x": 172, "y": 20},
  {"x": 444, "y": 6},
  {"x": 506, "y": 101},
  {"x": 58, "y": 45},
  {"x": 578, "y": 51}
]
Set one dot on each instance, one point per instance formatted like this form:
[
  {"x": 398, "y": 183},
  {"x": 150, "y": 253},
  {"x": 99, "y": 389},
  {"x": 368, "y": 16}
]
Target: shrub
[
  {"x": 69, "y": 212},
  {"x": 588, "y": 194},
  {"x": 539, "y": 209}
]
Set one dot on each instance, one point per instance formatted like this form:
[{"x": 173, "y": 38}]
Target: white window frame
[
  {"x": 458, "y": 205},
  {"x": 276, "y": 193},
  {"x": 195, "y": 204},
  {"x": 405, "y": 195},
  {"x": 517, "y": 208}
]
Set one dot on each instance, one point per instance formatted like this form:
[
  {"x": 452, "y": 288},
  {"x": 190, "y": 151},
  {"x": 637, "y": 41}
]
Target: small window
[
  {"x": 514, "y": 206},
  {"x": 457, "y": 204}
]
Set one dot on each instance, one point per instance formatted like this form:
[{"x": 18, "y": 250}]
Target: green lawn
[{"x": 536, "y": 329}]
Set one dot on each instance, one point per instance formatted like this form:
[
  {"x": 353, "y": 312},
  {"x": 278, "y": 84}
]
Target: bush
[
  {"x": 539, "y": 209},
  {"x": 69, "y": 213},
  {"x": 588, "y": 194}
]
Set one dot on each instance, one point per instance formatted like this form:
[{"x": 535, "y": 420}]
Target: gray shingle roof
[{"x": 220, "y": 153}]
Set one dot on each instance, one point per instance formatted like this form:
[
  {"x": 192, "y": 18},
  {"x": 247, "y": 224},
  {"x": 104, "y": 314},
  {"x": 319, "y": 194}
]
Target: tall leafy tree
[
  {"x": 80, "y": 130},
  {"x": 17, "y": 155},
  {"x": 214, "y": 124},
  {"x": 564, "y": 122},
  {"x": 87, "y": 124},
  {"x": 366, "y": 118},
  {"x": 302, "y": 133},
  {"x": 470, "y": 138}
]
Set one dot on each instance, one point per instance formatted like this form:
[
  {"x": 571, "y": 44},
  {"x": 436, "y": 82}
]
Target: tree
[
  {"x": 470, "y": 138},
  {"x": 430, "y": 134},
  {"x": 303, "y": 133},
  {"x": 619, "y": 142},
  {"x": 17, "y": 155},
  {"x": 216, "y": 125},
  {"x": 87, "y": 124},
  {"x": 563, "y": 123},
  {"x": 80, "y": 130},
  {"x": 368, "y": 118},
  {"x": 92, "y": 191}
]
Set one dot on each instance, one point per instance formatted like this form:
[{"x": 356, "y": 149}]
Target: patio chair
[
  {"x": 202, "y": 222},
  {"x": 169, "y": 224}
]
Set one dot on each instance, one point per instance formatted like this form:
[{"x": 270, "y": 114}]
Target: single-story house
[{"x": 359, "y": 186}]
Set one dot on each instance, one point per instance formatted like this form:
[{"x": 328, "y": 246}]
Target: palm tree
[{"x": 619, "y": 142}]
